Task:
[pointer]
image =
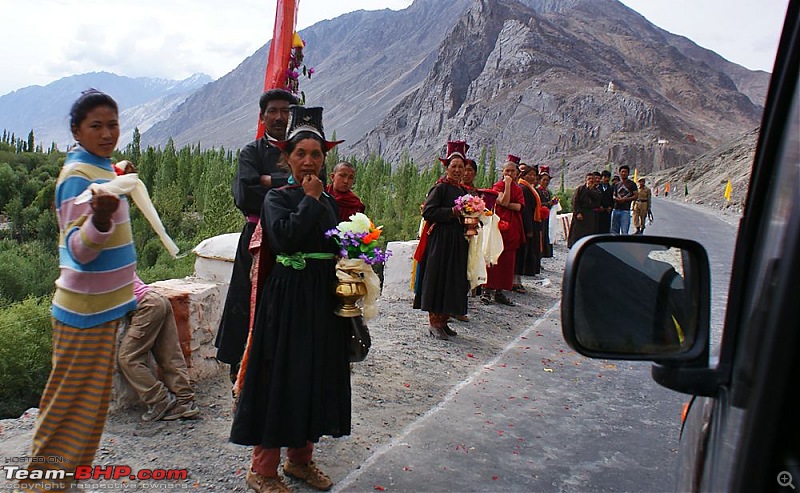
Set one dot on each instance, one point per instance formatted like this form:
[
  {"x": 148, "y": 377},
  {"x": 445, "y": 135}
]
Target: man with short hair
[
  {"x": 259, "y": 170},
  {"x": 341, "y": 189},
  {"x": 624, "y": 195},
  {"x": 606, "y": 203}
]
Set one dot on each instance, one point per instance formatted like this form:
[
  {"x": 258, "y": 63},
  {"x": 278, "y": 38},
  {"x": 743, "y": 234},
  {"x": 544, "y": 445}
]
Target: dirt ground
[{"x": 405, "y": 375}]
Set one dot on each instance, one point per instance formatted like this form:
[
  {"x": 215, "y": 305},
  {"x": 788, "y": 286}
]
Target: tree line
[{"x": 191, "y": 189}]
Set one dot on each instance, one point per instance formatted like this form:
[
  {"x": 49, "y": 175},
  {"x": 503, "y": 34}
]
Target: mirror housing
[{"x": 638, "y": 298}]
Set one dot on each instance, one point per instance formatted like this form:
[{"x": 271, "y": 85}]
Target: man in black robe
[
  {"x": 584, "y": 202},
  {"x": 606, "y": 203},
  {"x": 260, "y": 169}
]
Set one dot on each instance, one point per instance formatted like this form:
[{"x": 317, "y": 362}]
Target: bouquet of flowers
[
  {"x": 470, "y": 205},
  {"x": 358, "y": 239}
]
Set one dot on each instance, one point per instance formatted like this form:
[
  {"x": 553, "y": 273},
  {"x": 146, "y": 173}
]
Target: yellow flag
[
  {"x": 636, "y": 175},
  {"x": 728, "y": 190}
]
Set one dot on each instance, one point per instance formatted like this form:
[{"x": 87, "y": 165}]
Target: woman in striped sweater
[{"x": 94, "y": 291}]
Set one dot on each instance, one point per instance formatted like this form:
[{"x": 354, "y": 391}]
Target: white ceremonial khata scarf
[
  {"x": 130, "y": 184},
  {"x": 355, "y": 270}
]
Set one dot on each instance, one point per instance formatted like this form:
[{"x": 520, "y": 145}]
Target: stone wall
[{"x": 197, "y": 303}]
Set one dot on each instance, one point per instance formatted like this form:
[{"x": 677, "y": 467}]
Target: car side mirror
[{"x": 637, "y": 298}]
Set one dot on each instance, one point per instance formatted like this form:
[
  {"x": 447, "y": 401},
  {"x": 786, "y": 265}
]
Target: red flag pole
[{"x": 280, "y": 50}]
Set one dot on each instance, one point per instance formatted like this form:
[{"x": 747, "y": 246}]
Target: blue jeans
[{"x": 620, "y": 222}]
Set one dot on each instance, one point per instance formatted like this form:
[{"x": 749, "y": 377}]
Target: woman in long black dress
[
  {"x": 296, "y": 384},
  {"x": 443, "y": 265}
]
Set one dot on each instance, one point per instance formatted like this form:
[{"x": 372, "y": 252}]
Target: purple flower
[{"x": 311, "y": 71}]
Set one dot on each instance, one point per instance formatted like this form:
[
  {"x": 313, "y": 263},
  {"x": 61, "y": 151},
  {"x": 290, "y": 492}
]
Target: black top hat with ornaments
[{"x": 302, "y": 119}]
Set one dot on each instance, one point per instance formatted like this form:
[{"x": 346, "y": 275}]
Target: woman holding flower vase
[
  {"x": 295, "y": 372},
  {"x": 442, "y": 284}
]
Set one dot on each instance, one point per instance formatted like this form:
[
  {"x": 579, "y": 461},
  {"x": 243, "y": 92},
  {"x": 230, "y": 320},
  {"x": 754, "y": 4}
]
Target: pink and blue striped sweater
[{"x": 96, "y": 268}]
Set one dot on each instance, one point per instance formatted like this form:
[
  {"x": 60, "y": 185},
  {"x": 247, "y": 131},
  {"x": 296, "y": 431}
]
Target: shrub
[
  {"x": 25, "y": 354},
  {"x": 26, "y": 269}
]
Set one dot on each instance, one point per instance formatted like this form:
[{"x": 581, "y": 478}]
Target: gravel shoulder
[{"x": 406, "y": 374}]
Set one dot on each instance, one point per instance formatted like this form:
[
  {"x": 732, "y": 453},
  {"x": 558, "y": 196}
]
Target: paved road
[
  {"x": 715, "y": 234},
  {"x": 541, "y": 418}
]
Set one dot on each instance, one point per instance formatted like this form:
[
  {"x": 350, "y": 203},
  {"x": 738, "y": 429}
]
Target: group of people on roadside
[
  {"x": 287, "y": 349},
  {"x": 603, "y": 205},
  {"x": 521, "y": 201}
]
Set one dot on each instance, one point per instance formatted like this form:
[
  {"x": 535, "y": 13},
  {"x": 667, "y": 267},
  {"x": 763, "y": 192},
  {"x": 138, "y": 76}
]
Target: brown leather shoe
[
  {"x": 264, "y": 484},
  {"x": 309, "y": 474}
]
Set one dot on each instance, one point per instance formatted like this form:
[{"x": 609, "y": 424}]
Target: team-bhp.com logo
[{"x": 18, "y": 473}]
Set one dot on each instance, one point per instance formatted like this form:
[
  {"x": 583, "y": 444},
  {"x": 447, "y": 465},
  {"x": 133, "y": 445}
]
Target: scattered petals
[
  {"x": 379, "y": 487},
  {"x": 495, "y": 478},
  {"x": 548, "y": 370},
  {"x": 470, "y": 355}
]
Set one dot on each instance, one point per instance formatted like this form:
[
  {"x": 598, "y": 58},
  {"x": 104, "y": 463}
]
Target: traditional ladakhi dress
[
  {"x": 256, "y": 159},
  {"x": 584, "y": 202},
  {"x": 442, "y": 284},
  {"x": 528, "y": 254},
  {"x": 501, "y": 275},
  {"x": 296, "y": 382},
  {"x": 546, "y": 198}
]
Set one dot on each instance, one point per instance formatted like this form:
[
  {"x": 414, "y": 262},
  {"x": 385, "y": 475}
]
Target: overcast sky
[{"x": 44, "y": 40}]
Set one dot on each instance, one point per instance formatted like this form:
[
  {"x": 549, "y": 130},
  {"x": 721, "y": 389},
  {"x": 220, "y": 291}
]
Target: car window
[{"x": 783, "y": 199}]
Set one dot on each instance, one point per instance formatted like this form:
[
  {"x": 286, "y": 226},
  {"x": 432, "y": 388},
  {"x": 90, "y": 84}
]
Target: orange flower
[{"x": 371, "y": 236}]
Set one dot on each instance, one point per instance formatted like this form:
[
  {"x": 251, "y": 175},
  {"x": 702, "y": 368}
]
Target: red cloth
[
  {"x": 515, "y": 234},
  {"x": 348, "y": 202},
  {"x": 265, "y": 460},
  {"x": 501, "y": 275},
  {"x": 423, "y": 242}
]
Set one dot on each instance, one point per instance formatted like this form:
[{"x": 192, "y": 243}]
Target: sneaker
[
  {"x": 265, "y": 484},
  {"x": 502, "y": 299},
  {"x": 308, "y": 473},
  {"x": 182, "y": 411},
  {"x": 157, "y": 411}
]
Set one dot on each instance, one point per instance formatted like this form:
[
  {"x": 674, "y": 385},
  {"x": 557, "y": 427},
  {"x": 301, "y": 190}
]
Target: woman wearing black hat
[
  {"x": 295, "y": 380},
  {"x": 442, "y": 284}
]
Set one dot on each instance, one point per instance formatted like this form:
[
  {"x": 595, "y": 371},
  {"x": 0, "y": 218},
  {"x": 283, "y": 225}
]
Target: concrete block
[{"x": 397, "y": 272}]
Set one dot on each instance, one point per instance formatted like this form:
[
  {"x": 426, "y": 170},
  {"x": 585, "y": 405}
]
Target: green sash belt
[{"x": 297, "y": 261}]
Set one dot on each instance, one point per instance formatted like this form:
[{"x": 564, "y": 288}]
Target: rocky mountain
[
  {"x": 45, "y": 109},
  {"x": 530, "y": 77},
  {"x": 705, "y": 177},
  {"x": 574, "y": 84},
  {"x": 365, "y": 62}
]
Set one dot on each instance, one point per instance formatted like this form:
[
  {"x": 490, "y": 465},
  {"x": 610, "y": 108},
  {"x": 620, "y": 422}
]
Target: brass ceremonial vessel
[
  {"x": 349, "y": 293},
  {"x": 471, "y": 223}
]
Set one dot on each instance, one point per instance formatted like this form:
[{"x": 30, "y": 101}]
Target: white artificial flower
[{"x": 359, "y": 223}]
